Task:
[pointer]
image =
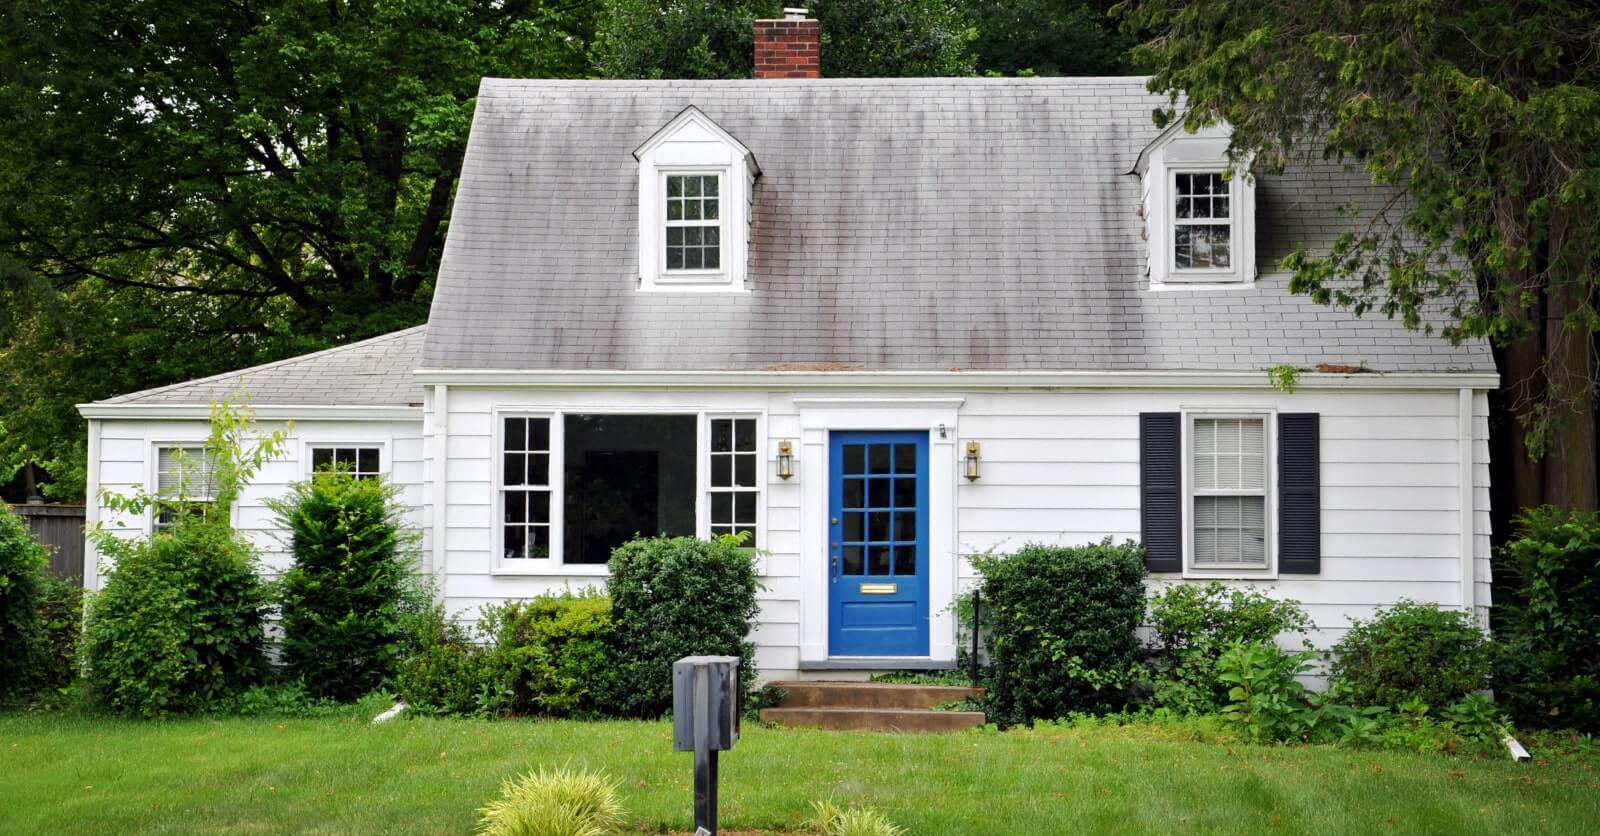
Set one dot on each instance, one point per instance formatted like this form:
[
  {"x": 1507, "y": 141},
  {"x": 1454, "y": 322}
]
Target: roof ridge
[{"x": 298, "y": 358}]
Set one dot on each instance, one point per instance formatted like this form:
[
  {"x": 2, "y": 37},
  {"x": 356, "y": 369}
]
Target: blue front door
[{"x": 878, "y": 544}]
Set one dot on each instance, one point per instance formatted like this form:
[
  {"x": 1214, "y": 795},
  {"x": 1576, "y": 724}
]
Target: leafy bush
[
  {"x": 178, "y": 625},
  {"x": 554, "y": 802},
  {"x": 1060, "y": 623},
  {"x": 61, "y": 616},
  {"x": 1412, "y": 651},
  {"x": 829, "y": 819},
  {"x": 341, "y": 601},
  {"x": 673, "y": 597},
  {"x": 22, "y": 581},
  {"x": 1549, "y": 627},
  {"x": 443, "y": 670},
  {"x": 1265, "y": 698},
  {"x": 548, "y": 654},
  {"x": 1194, "y": 624}
]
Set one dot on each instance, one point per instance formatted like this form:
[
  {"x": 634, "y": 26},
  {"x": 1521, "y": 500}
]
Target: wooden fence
[{"x": 60, "y": 529}]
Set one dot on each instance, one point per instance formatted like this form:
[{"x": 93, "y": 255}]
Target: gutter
[{"x": 267, "y": 412}]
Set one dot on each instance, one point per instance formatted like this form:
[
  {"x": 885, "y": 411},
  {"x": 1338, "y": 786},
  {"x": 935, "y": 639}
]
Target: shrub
[
  {"x": 22, "y": 581},
  {"x": 178, "y": 625},
  {"x": 1193, "y": 624},
  {"x": 549, "y": 654},
  {"x": 1412, "y": 651},
  {"x": 828, "y": 819},
  {"x": 1060, "y": 624},
  {"x": 1265, "y": 697},
  {"x": 1549, "y": 626},
  {"x": 61, "y": 616},
  {"x": 673, "y": 597},
  {"x": 554, "y": 802},
  {"x": 341, "y": 600},
  {"x": 443, "y": 670}
]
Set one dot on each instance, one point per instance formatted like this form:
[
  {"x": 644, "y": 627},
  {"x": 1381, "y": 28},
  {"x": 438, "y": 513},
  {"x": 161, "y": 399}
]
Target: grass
[{"x": 64, "y": 774}]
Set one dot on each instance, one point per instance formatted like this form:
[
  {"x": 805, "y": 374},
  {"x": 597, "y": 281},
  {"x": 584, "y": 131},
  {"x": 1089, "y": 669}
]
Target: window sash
[
  {"x": 1228, "y": 222},
  {"x": 528, "y": 504},
  {"x": 713, "y": 226},
  {"x": 733, "y": 454},
  {"x": 1213, "y": 521},
  {"x": 365, "y": 460}
]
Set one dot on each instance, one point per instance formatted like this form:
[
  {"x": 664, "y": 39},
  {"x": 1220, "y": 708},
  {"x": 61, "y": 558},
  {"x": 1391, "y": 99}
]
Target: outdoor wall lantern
[
  {"x": 785, "y": 459},
  {"x": 972, "y": 461}
]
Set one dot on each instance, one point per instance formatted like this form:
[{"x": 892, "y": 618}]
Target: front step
[
  {"x": 874, "y": 719},
  {"x": 873, "y": 706}
]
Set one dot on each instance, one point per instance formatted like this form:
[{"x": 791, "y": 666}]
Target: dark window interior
[{"x": 626, "y": 476}]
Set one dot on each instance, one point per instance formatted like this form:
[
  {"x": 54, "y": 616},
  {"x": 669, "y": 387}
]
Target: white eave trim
[
  {"x": 1256, "y": 380},
  {"x": 269, "y": 412}
]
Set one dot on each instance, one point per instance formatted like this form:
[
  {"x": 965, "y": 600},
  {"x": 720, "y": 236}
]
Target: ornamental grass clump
[
  {"x": 829, "y": 819},
  {"x": 554, "y": 802}
]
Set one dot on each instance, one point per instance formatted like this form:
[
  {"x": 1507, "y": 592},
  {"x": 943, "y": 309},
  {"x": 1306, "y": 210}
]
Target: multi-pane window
[
  {"x": 1229, "y": 478},
  {"x": 184, "y": 481},
  {"x": 694, "y": 231},
  {"x": 734, "y": 463},
  {"x": 525, "y": 455},
  {"x": 361, "y": 462},
  {"x": 1202, "y": 222},
  {"x": 879, "y": 534}
]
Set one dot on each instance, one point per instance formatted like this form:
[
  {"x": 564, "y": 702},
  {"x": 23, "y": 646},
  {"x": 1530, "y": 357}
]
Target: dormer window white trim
[
  {"x": 690, "y": 240},
  {"x": 1198, "y": 210}
]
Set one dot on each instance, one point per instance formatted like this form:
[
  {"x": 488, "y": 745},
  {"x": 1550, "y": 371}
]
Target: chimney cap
[{"x": 795, "y": 13}]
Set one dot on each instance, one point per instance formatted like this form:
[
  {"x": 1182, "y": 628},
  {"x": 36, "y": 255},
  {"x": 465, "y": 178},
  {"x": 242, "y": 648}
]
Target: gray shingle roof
[
  {"x": 918, "y": 224},
  {"x": 375, "y": 372}
]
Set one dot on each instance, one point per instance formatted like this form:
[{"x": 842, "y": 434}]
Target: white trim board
[{"x": 263, "y": 412}]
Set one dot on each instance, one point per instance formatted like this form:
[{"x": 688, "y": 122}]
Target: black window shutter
[
  {"x": 1161, "y": 490},
  {"x": 1299, "y": 494}
]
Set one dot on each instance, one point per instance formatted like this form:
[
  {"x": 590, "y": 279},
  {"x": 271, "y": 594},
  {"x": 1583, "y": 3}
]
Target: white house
[{"x": 881, "y": 325}]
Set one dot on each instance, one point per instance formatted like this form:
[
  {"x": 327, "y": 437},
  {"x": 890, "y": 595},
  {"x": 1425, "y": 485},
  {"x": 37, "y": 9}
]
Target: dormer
[
  {"x": 696, "y": 183},
  {"x": 1198, "y": 210}
]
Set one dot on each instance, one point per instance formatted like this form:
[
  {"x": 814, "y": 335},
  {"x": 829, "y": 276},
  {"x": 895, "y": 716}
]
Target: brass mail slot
[{"x": 879, "y": 588}]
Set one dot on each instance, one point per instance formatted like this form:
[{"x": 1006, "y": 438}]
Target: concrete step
[
  {"x": 885, "y": 695},
  {"x": 874, "y": 719}
]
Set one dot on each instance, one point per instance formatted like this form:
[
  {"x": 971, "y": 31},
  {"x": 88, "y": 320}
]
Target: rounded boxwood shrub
[
  {"x": 549, "y": 655},
  {"x": 1061, "y": 624},
  {"x": 22, "y": 583},
  {"x": 1193, "y": 624},
  {"x": 673, "y": 597},
  {"x": 341, "y": 600},
  {"x": 1412, "y": 652},
  {"x": 442, "y": 671},
  {"x": 178, "y": 625},
  {"x": 1549, "y": 625}
]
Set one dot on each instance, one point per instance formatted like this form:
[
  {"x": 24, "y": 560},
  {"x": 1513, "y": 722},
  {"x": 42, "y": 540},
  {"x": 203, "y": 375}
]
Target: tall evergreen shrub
[
  {"x": 673, "y": 597},
  {"x": 342, "y": 599},
  {"x": 1061, "y": 624},
  {"x": 1549, "y": 627},
  {"x": 22, "y": 633}
]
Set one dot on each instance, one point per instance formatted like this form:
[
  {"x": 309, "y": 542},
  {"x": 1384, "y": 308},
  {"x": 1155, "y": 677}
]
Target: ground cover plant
[{"x": 340, "y": 774}]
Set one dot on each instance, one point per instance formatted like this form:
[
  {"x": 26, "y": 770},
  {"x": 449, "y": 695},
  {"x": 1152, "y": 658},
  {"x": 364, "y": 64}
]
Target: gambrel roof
[{"x": 905, "y": 224}]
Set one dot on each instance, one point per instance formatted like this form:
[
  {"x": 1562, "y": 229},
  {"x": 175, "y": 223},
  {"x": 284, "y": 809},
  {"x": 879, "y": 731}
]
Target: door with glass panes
[{"x": 878, "y": 544}]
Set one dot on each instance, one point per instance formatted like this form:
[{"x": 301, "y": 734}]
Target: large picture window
[
  {"x": 1229, "y": 484},
  {"x": 577, "y": 485}
]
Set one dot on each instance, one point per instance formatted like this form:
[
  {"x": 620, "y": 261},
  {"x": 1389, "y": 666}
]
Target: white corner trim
[
  {"x": 91, "y": 509},
  {"x": 1464, "y": 486},
  {"x": 438, "y": 476},
  {"x": 267, "y": 412},
  {"x": 960, "y": 381}
]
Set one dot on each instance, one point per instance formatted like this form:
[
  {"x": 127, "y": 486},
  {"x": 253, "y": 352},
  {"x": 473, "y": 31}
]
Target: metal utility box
[{"x": 705, "y": 695}]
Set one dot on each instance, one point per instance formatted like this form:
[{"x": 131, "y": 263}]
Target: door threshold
[{"x": 878, "y": 663}]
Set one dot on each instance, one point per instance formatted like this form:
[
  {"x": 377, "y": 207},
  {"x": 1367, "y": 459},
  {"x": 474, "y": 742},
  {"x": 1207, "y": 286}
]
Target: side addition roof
[
  {"x": 898, "y": 224},
  {"x": 373, "y": 372}
]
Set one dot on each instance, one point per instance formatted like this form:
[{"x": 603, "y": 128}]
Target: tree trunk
[{"x": 1569, "y": 467}]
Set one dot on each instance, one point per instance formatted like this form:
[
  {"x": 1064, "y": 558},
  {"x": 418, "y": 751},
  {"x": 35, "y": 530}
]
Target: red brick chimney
[{"x": 789, "y": 48}]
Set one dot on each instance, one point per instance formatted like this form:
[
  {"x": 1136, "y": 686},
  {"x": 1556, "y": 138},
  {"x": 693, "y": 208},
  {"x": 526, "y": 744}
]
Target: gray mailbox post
[{"x": 705, "y": 721}]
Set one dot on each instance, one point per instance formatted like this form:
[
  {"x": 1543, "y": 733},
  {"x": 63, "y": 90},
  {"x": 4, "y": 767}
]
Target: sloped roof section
[
  {"x": 901, "y": 224},
  {"x": 374, "y": 372}
]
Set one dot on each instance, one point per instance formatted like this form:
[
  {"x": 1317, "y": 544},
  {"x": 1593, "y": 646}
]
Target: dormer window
[
  {"x": 695, "y": 187},
  {"x": 1199, "y": 216}
]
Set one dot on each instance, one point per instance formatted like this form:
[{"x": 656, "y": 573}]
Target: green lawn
[{"x": 72, "y": 775}]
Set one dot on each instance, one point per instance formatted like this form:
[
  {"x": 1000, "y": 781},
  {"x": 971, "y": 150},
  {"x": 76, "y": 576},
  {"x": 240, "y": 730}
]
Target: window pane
[
  {"x": 722, "y": 508},
  {"x": 675, "y": 236},
  {"x": 854, "y": 492},
  {"x": 367, "y": 460},
  {"x": 516, "y": 507},
  {"x": 712, "y": 235},
  {"x": 721, "y": 435},
  {"x": 905, "y": 458},
  {"x": 539, "y": 547},
  {"x": 674, "y": 210},
  {"x": 674, "y": 258},
  {"x": 626, "y": 476},
  {"x": 878, "y": 458},
  {"x": 905, "y": 492},
  {"x": 516, "y": 469},
  {"x": 691, "y": 186},
  {"x": 1219, "y": 207},
  {"x": 878, "y": 525},
  {"x": 854, "y": 458},
  {"x": 905, "y": 525},
  {"x": 691, "y": 258},
  {"x": 321, "y": 458},
  {"x": 721, "y": 471},
  {"x": 744, "y": 507},
  {"x": 516, "y": 541},
  {"x": 540, "y": 429},
  {"x": 878, "y": 493},
  {"x": 539, "y": 507},
  {"x": 539, "y": 469},
  {"x": 709, "y": 210},
  {"x": 691, "y": 210},
  {"x": 745, "y": 435},
  {"x": 854, "y": 526},
  {"x": 905, "y": 560},
  {"x": 691, "y": 236},
  {"x": 709, "y": 185},
  {"x": 745, "y": 470},
  {"x": 712, "y": 259},
  {"x": 852, "y": 560},
  {"x": 516, "y": 433},
  {"x": 674, "y": 186},
  {"x": 878, "y": 560}
]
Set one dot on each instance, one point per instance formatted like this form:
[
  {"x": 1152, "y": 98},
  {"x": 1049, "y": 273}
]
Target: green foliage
[
  {"x": 829, "y": 819},
  {"x": 22, "y": 585},
  {"x": 1284, "y": 378},
  {"x": 1412, "y": 651},
  {"x": 1193, "y": 624},
  {"x": 1049, "y": 38},
  {"x": 548, "y": 655},
  {"x": 178, "y": 625},
  {"x": 1060, "y": 623},
  {"x": 341, "y": 601},
  {"x": 673, "y": 597},
  {"x": 61, "y": 616},
  {"x": 443, "y": 671},
  {"x": 555, "y": 802},
  {"x": 714, "y": 39},
  {"x": 1549, "y": 626},
  {"x": 1264, "y": 697}
]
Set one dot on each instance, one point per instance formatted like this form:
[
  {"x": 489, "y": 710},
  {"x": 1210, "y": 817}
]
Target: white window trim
[
  {"x": 1176, "y": 152},
  {"x": 663, "y": 154},
  {"x": 382, "y": 447},
  {"x": 154, "y": 471},
  {"x": 1269, "y": 420},
  {"x": 1203, "y": 274},
  {"x": 555, "y": 564}
]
